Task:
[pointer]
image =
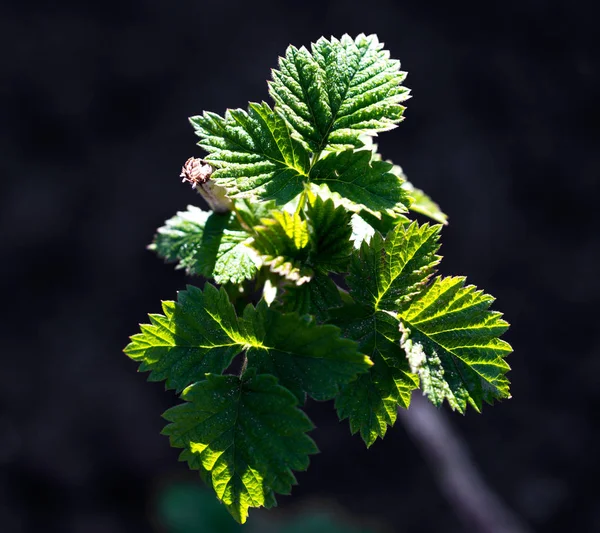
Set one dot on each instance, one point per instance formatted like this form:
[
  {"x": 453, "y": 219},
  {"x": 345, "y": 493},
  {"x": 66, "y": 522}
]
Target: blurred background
[{"x": 502, "y": 131}]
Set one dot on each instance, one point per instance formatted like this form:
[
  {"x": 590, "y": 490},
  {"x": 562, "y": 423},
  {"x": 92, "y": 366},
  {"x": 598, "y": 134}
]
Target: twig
[{"x": 476, "y": 505}]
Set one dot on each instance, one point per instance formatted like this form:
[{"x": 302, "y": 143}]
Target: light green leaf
[
  {"x": 197, "y": 334},
  {"x": 254, "y": 153},
  {"x": 222, "y": 428},
  {"x": 362, "y": 184},
  {"x": 420, "y": 202},
  {"x": 423, "y": 204},
  {"x": 452, "y": 341},
  {"x": 330, "y": 232},
  {"x": 343, "y": 89},
  {"x": 234, "y": 262},
  {"x": 296, "y": 247},
  {"x": 181, "y": 237},
  {"x": 384, "y": 277},
  {"x": 201, "y": 333},
  {"x": 282, "y": 242},
  {"x": 388, "y": 273},
  {"x": 251, "y": 213},
  {"x": 362, "y": 231},
  {"x": 364, "y": 226},
  {"x": 208, "y": 244}
]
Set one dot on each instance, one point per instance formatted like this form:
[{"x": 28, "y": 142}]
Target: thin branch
[
  {"x": 244, "y": 365},
  {"x": 474, "y": 502}
]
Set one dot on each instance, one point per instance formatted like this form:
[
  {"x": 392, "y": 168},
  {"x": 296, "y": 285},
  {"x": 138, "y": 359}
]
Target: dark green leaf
[
  {"x": 222, "y": 428},
  {"x": 371, "y": 400},
  {"x": 316, "y": 297},
  {"x": 305, "y": 357},
  {"x": 362, "y": 184},
  {"x": 201, "y": 333}
]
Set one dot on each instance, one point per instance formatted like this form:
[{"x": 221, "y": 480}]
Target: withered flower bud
[
  {"x": 198, "y": 172},
  {"x": 195, "y": 171}
]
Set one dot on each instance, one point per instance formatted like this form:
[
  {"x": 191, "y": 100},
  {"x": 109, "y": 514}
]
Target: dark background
[{"x": 502, "y": 131}]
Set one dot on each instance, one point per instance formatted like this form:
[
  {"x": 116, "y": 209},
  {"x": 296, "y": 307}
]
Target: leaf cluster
[{"x": 348, "y": 306}]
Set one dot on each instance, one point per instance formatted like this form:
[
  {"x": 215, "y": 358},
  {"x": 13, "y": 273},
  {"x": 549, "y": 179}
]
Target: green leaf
[
  {"x": 222, "y": 428},
  {"x": 343, "y": 89},
  {"x": 306, "y": 358},
  {"x": 361, "y": 183},
  {"x": 388, "y": 273},
  {"x": 181, "y": 237},
  {"x": 207, "y": 244},
  {"x": 201, "y": 333},
  {"x": 364, "y": 226},
  {"x": 420, "y": 202},
  {"x": 254, "y": 153},
  {"x": 362, "y": 231},
  {"x": 316, "y": 297},
  {"x": 251, "y": 213},
  {"x": 423, "y": 204},
  {"x": 384, "y": 277},
  {"x": 330, "y": 232},
  {"x": 370, "y": 402},
  {"x": 197, "y": 334},
  {"x": 282, "y": 242},
  {"x": 296, "y": 247},
  {"x": 452, "y": 341}
]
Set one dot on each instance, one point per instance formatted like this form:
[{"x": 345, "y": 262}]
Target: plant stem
[
  {"x": 458, "y": 478},
  {"x": 244, "y": 365}
]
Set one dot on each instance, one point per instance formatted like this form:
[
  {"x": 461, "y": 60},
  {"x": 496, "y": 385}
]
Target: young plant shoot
[{"x": 328, "y": 285}]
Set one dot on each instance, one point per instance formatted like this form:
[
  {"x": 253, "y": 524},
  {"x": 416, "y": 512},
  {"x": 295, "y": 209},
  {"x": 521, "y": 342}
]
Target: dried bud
[{"x": 196, "y": 171}]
